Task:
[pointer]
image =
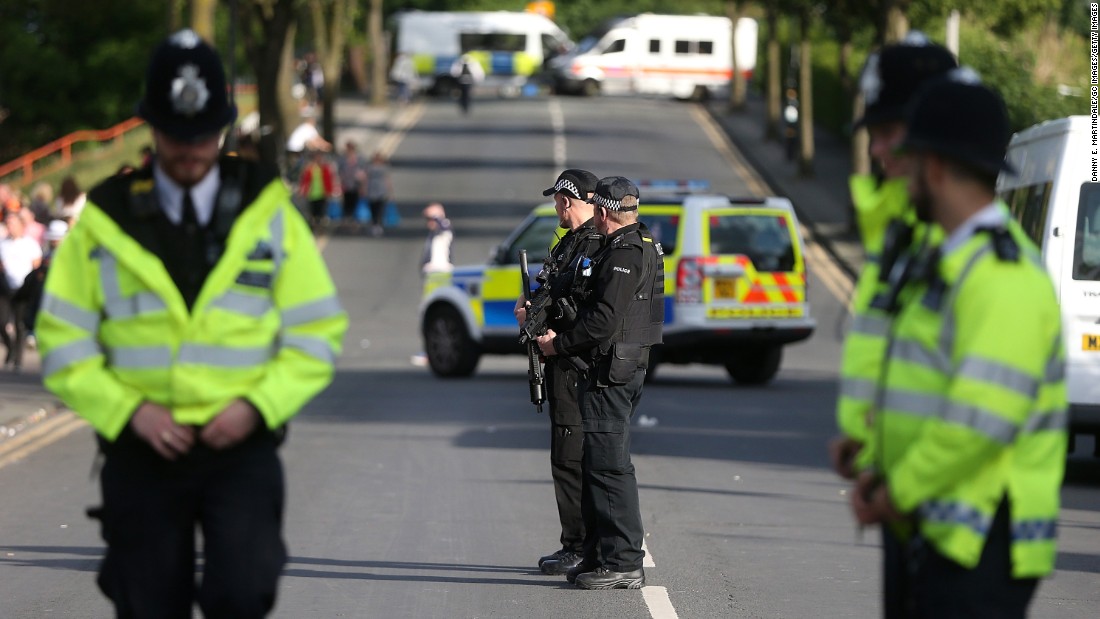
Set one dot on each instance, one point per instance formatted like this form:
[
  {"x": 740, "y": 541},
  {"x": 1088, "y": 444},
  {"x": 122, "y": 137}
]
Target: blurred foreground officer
[
  {"x": 970, "y": 419},
  {"x": 888, "y": 228},
  {"x": 619, "y": 320},
  {"x": 187, "y": 318},
  {"x": 571, "y": 192}
]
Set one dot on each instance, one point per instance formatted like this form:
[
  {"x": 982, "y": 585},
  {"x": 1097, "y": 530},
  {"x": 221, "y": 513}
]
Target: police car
[{"x": 735, "y": 288}]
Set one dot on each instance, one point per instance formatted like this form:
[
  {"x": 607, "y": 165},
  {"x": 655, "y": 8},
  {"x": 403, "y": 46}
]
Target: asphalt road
[{"x": 416, "y": 497}]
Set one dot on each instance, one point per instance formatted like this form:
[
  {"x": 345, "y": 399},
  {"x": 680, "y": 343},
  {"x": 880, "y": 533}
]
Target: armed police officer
[
  {"x": 620, "y": 318},
  {"x": 889, "y": 229},
  {"x": 970, "y": 411},
  {"x": 187, "y": 318},
  {"x": 571, "y": 191}
]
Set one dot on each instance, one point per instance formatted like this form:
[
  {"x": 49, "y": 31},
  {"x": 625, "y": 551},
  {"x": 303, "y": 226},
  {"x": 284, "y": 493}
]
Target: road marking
[
  {"x": 557, "y": 121},
  {"x": 660, "y": 607},
  {"x": 827, "y": 270},
  {"x": 647, "y": 561},
  {"x": 41, "y": 435},
  {"x": 406, "y": 119}
]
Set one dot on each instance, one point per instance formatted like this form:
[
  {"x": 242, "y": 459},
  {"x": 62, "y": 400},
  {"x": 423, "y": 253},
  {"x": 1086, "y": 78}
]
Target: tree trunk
[
  {"x": 895, "y": 24},
  {"x": 774, "y": 105},
  {"x": 357, "y": 55},
  {"x": 737, "y": 77},
  {"x": 175, "y": 7},
  {"x": 379, "y": 59},
  {"x": 267, "y": 53},
  {"x": 202, "y": 18},
  {"x": 806, "y": 105},
  {"x": 330, "y": 33}
]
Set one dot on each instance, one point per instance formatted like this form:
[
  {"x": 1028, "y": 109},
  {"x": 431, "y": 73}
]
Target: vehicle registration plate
[
  {"x": 726, "y": 313},
  {"x": 725, "y": 288},
  {"x": 1090, "y": 342}
]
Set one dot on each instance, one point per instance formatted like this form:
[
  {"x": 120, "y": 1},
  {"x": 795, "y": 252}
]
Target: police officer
[
  {"x": 187, "y": 318},
  {"x": 971, "y": 409},
  {"x": 889, "y": 81},
  {"x": 571, "y": 191},
  {"x": 620, "y": 319}
]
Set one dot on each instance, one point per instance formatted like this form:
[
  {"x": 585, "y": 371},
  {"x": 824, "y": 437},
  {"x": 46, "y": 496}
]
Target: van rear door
[{"x": 1080, "y": 298}]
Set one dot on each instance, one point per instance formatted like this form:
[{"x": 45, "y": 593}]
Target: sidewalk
[{"x": 822, "y": 201}]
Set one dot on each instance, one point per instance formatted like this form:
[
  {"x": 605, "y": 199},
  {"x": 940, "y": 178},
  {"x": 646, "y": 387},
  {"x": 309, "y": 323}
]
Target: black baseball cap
[
  {"x": 610, "y": 192},
  {"x": 959, "y": 118},
  {"x": 185, "y": 89},
  {"x": 574, "y": 182},
  {"x": 892, "y": 77}
]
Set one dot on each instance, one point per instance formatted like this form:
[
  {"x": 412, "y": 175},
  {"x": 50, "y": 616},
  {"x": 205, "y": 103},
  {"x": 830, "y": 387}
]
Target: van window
[
  {"x": 706, "y": 47},
  {"x": 665, "y": 229},
  {"x": 764, "y": 239},
  {"x": 536, "y": 239},
  {"x": 683, "y": 47},
  {"x": 1086, "y": 247},
  {"x": 616, "y": 46},
  {"x": 492, "y": 41},
  {"x": 655, "y": 46},
  {"x": 1029, "y": 206}
]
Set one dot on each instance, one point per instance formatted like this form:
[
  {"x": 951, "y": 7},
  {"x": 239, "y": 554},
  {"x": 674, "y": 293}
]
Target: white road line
[
  {"x": 647, "y": 561},
  {"x": 660, "y": 607},
  {"x": 557, "y": 121}
]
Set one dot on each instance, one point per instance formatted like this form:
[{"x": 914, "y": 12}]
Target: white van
[
  {"x": 511, "y": 46},
  {"x": 1052, "y": 195},
  {"x": 672, "y": 55}
]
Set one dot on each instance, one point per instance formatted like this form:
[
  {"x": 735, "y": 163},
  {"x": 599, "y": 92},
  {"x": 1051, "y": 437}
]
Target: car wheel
[
  {"x": 590, "y": 88},
  {"x": 756, "y": 367},
  {"x": 447, "y": 343}
]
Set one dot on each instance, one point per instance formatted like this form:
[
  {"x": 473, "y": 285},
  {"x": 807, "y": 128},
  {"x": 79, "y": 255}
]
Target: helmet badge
[
  {"x": 189, "y": 93},
  {"x": 187, "y": 39}
]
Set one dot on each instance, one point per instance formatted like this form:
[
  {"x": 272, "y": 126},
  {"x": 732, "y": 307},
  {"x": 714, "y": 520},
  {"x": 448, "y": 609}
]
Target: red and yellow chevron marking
[{"x": 763, "y": 287}]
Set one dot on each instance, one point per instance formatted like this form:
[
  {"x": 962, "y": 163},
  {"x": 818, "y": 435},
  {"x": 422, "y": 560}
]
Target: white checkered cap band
[
  {"x": 567, "y": 185},
  {"x": 608, "y": 203}
]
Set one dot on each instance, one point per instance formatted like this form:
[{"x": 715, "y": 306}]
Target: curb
[{"x": 747, "y": 152}]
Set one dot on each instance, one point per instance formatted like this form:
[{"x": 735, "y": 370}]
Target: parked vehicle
[
  {"x": 672, "y": 55},
  {"x": 735, "y": 288},
  {"x": 1056, "y": 199},
  {"x": 510, "y": 46}
]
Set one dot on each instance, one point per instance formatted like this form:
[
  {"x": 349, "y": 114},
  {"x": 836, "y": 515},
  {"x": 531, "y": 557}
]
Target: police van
[
  {"x": 735, "y": 288},
  {"x": 682, "y": 56},
  {"x": 1054, "y": 197},
  {"x": 510, "y": 46}
]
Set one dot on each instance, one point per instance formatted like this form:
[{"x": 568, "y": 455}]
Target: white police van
[{"x": 1055, "y": 197}]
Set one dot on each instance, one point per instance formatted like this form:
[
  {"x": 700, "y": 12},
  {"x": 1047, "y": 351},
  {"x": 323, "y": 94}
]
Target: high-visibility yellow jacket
[
  {"x": 114, "y": 330},
  {"x": 973, "y": 404}
]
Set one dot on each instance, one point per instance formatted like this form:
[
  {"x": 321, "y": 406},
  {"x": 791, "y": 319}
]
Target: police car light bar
[{"x": 674, "y": 186}]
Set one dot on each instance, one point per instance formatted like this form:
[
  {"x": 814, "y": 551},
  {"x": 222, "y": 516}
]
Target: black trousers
[
  {"x": 151, "y": 508},
  {"x": 566, "y": 447},
  {"x": 919, "y": 582},
  {"x": 609, "y": 494},
  {"x": 13, "y": 309}
]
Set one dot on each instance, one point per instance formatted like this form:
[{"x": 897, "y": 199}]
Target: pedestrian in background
[
  {"x": 379, "y": 191},
  {"x": 571, "y": 191},
  {"x": 70, "y": 200},
  {"x": 467, "y": 73},
  {"x": 316, "y": 185},
  {"x": 437, "y": 247},
  {"x": 971, "y": 407},
  {"x": 189, "y": 396},
  {"x": 404, "y": 76},
  {"x": 618, "y": 322},
  {"x": 353, "y": 181},
  {"x": 19, "y": 255},
  {"x": 41, "y": 201}
]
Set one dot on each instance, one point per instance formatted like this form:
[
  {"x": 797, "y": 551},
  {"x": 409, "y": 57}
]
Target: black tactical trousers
[
  {"x": 151, "y": 508},
  {"x": 609, "y": 496},
  {"x": 566, "y": 447}
]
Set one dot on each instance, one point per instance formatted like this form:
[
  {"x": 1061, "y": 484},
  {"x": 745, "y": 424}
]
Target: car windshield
[
  {"x": 665, "y": 229},
  {"x": 536, "y": 238},
  {"x": 764, "y": 239}
]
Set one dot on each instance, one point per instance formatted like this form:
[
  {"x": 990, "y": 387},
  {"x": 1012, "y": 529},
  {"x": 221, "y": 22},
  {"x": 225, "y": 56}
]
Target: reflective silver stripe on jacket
[
  {"x": 913, "y": 352},
  {"x": 857, "y": 388},
  {"x": 314, "y": 310},
  {"x": 999, "y": 374},
  {"x": 139, "y": 357},
  {"x": 1034, "y": 530},
  {"x": 70, "y": 313},
  {"x": 981, "y": 421},
  {"x": 224, "y": 356},
  {"x": 312, "y": 346},
  {"x": 117, "y": 306},
  {"x": 954, "y": 512},
  {"x": 68, "y": 354},
  {"x": 872, "y": 325},
  {"x": 1047, "y": 421},
  {"x": 1055, "y": 371},
  {"x": 243, "y": 303}
]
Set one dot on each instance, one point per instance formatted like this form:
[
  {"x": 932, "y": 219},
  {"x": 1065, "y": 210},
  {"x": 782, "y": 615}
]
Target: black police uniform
[
  {"x": 566, "y": 437},
  {"x": 619, "y": 321}
]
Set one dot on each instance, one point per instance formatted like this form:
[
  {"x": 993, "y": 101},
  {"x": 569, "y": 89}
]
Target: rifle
[{"x": 534, "y": 326}]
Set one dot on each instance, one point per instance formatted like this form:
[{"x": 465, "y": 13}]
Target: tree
[
  {"x": 202, "y": 18},
  {"x": 269, "y": 42},
  {"x": 772, "y": 43},
  {"x": 378, "y": 54},
  {"x": 331, "y": 20},
  {"x": 805, "y": 88},
  {"x": 737, "y": 77}
]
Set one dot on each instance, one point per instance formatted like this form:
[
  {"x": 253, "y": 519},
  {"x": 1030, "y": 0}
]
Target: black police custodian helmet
[
  {"x": 893, "y": 76},
  {"x": 574, "y": 182},
  {"x": 610, "y": 192},
  {"x": 961, "y": 119},
  {"x": 185, "y": 94}
]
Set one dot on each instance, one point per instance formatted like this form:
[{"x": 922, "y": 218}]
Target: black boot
[
  {"x": 581, "y": 568},
  {"x": 561, "y": 565},
  {"x": 603, "y": 578},
  {"x": 553, "y": 557}
]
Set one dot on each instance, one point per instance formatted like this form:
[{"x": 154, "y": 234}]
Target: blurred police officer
[
  {"x": 970, "y": 416},
  {"x": 889, "y": 81},
  {"x": 620, "y": 319},
  {"x": 187, "y": 318},
  {"x": 571, "y": 192}
]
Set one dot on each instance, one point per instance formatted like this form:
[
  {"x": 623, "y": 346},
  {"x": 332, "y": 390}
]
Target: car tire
[
  {"x": 590, "y": 88},
  {"x": 451, "y": 352},
  {"x": 757, "y": 366}
]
